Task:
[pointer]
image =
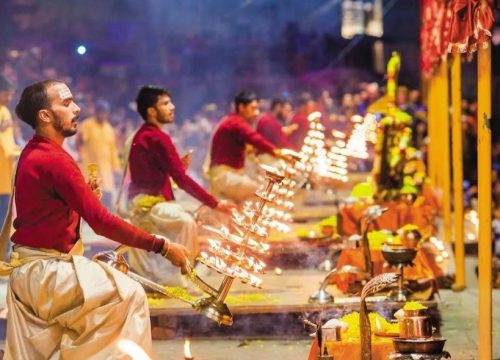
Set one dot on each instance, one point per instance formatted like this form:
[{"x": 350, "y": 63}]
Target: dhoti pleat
[
  {"x": 73, "y": 308},
  {"x": 232, "y": 184},
  {"x": 172, "y": 221}
]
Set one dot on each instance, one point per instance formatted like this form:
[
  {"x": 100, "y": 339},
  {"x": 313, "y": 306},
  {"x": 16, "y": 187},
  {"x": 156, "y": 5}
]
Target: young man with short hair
[
  {"x": 153, "y": 162},
  {"x": 61, "y": 304},
  {"x": 227, "y": 154}
]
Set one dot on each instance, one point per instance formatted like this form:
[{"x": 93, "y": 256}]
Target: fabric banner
[
  {"x": 453, "y": 26},
  {"x": 471, "y": 25},
  {"x": 434, "y": 32}
]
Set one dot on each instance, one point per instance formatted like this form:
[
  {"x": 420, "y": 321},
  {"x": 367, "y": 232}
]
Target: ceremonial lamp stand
[
  {"x": 214, "y": 307},
  {"x": 399, "y": 258},
  {"x": 240, "y": 264},
  {"x": 322, "y": 296}
]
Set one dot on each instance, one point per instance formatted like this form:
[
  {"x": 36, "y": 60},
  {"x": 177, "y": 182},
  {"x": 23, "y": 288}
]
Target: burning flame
[
  {"x": 235, "y": 270},
  {"x": 250, "y": 228},
  {"x": 440, "y": 246},
  {"x": 314, "y": 115},
  {"x": 326, "y": 164},
  {"x": 187, "y": 350},
  {"x": 338, "y": 134}
]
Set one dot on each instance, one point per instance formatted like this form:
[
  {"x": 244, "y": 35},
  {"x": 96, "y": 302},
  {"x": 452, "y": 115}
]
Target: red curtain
[
  {"x": 470, "y": 26},
  {"x": 453, "y": 25},
  {"x": 435, "y": 20}
]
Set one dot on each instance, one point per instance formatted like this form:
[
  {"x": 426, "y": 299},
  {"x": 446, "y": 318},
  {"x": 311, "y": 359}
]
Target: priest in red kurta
[
  {"x": 272, "y": 124},
  {"x": 153, "y": 163},
  {"x": 227, "y": 153},
  {"x": 60, "y": 303},
  {"x": 307, "y": 105}
]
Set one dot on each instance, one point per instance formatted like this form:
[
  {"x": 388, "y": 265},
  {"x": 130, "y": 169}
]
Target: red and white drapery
[
  {"x": 453, "y": 26},
  {"x": 470, "y": 26},
  {"x": 435, "y": 20}
]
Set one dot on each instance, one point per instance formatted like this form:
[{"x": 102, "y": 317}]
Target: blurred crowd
[
  {"x": 189, "y": 133},
  {"x": 112, "y": 102}
]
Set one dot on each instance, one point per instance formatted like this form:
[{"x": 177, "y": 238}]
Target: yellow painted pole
[
  {"x": 443, "y": 151},
  {"x": 431, "y": 125},
  {"x": 437, "y": 141},
  {"x": 484, "y": 200},
  {"x": 458, "y": 194}
]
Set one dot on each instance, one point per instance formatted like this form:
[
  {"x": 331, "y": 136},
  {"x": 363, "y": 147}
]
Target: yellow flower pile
[
  {"x": 363, "y": 190},
  {"x": 409, "y": 227},
  {"x": 174, "y": 291},
  {"x": 414, "y": 305},
  {"x": 377, "y": 323},
  {"x": 378, "y": 238},
  {"x": 329, "y": 221},
  {"x": 309, "y": 231},
  {"x": 250, "y": 298},
  {"x": 156, "y": 302},
  {"x": 146, "y": 201}
]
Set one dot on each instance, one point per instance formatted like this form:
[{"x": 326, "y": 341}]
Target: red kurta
[
  {"x": 230, "y": 138},
  {"x": 51, "y": 195},
  {"x": 270, "y": 128},
  {"x": 297, "y": 137},
  {"x": 153, "y": 160}
]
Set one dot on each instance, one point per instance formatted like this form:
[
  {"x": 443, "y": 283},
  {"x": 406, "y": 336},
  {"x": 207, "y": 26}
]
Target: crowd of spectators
[
  {"x": 338, "y": 102},
  {"x": 191, "y": 68}
]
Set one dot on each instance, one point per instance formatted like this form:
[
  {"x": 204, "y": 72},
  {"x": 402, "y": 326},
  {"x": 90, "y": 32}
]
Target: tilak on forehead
[{"x": 65, "y": 93}]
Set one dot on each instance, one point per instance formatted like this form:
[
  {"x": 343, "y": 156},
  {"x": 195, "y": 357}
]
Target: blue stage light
[{"x": 81, "y": 50}]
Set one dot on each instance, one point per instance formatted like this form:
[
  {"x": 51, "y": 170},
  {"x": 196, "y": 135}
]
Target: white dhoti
[
  {"x": 170, "y": 220},
  {"x": 65, "y": 306},
  {"x": 231, "y": 184},
  {"x": 203, "y": 214}
]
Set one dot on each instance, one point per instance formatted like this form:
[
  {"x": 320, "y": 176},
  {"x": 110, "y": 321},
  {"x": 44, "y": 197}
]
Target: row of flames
[
  {"x": 234, "y": 251},
  {"x": 331, "y": 161}
]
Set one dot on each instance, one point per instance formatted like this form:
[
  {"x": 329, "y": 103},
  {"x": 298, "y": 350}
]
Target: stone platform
[{"x": 276, "y": 309}]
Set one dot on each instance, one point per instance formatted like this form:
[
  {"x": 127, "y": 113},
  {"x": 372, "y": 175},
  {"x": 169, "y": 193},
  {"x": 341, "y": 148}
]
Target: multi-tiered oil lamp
[
  {"x": 276, "y": 215},
  {"x": 316, "y": 159},
  {"x": 235, "y": 255}
]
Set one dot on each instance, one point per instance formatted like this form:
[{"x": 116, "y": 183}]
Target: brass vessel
[{"x": 415, "y": 324}]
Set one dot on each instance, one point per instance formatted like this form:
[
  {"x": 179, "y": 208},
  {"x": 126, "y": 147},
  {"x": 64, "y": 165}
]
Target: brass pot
[
  {"x": 415, "y": 324},
  {"x": 420, "y": 346},
  {"x": 395, "y": 256}
]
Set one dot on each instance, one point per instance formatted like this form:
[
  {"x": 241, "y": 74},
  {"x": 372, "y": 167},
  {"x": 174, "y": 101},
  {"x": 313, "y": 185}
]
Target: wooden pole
[
  {"x": 443, "y": 152},
  {"x": 458, "y": 194},
  {"x": 484, "y": 201},
  {"x": 431, "y": 128}
]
